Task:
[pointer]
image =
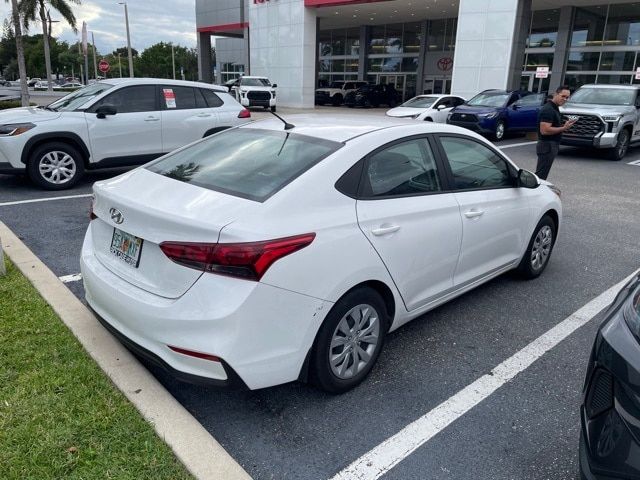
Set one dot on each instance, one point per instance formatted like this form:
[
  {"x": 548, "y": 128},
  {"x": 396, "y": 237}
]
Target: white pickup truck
[{"x": 335, "y": 93}]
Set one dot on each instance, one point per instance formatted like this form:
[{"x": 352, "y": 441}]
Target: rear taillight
[
  {"x": 244, "y": 113},
  {"x": 191, "y": 353},
  {"x": 92, "y": 216},
  {"x": 244, "y": 260}
]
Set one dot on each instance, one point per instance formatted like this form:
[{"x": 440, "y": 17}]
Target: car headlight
[
  {"x": 612, "y": 118},
  {"x": 488, "y": 116},
  {"x": 13, "y": 129},
  {"x": 243, "y": 92},
  {"x": 631, "y": 312},
  {"x": 273, "y": 93}
]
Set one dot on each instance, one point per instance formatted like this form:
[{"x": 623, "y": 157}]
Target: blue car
[{"x": 496, "y": 112}]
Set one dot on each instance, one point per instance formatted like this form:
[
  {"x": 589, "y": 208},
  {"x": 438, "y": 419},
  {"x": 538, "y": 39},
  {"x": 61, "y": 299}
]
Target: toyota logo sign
[
  {"x": 445, "y": 64},
  {"x": 116, "y": 215}
]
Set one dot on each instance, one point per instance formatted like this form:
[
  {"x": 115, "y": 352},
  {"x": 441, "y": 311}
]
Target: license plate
[{"x": 126, "y": 247}]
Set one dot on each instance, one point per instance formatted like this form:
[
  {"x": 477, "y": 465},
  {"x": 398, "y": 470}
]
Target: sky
[{"x": 150, "y": 22}]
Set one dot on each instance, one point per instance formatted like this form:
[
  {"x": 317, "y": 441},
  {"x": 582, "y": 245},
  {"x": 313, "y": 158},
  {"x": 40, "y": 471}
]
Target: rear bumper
[
  {"x": 611, "y": 433},
  {"x": 261, "y": 333}
]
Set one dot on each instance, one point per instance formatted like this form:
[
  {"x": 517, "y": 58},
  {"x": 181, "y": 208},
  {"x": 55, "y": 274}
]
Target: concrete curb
[{"x": 202, "y": 455}]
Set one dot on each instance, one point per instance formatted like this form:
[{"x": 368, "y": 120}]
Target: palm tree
[
  {"x": 37, "y": 8},
  {"x": 15, "y": 14}
]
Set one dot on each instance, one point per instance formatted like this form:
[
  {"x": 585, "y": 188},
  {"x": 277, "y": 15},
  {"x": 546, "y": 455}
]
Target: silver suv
[{"x": 608, "y": 118}]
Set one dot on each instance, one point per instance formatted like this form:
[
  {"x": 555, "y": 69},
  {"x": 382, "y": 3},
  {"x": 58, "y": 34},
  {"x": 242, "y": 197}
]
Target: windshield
[
  {"x": 80, "y": 97},
  {"x": 246, "y": 162},
  {"x": 255, "y": 82},
  {"x": 489, "y": 100},
  {"x": 604, "y": 96},
  {"x": 420, "y": 102}
]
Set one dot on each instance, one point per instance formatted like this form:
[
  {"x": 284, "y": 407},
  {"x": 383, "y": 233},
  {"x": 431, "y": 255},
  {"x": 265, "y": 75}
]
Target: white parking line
[
  {"x": 70, "y": 278},
  {"x": 518, "y": 145},
  {"x": 635, "y": 162},
  {"x": 392, "y": 451},
  {"x": 50, "y": 199}
]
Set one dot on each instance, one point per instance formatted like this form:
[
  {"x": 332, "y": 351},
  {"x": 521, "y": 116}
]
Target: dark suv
[
  {"x": 372, "y": 96},
  {"x": 496, "y": 112}
]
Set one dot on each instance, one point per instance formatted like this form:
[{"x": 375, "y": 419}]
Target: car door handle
[
  {"x": 151, "y": 119},
  {"x": 385, "y": 229},
  {"x": 473, "y": 213},
  {"x": 204, "y": 115}
]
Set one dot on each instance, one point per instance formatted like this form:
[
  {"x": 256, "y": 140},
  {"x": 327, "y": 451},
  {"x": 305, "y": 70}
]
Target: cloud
[{"x": 150, "y": 22}]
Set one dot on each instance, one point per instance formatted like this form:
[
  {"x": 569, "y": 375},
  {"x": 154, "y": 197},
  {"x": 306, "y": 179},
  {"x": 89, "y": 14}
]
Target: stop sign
[{"x": 103, "y": 66}]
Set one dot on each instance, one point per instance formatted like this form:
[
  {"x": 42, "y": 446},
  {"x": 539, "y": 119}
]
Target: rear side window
[
  {"x": 178, "y": 98},
  {"x": 246, "y": 162},
  {"x": 406, "y": 168},
  {"x": 212, "y": 99}
]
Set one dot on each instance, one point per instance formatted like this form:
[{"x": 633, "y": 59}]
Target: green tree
[
  {"x": 156, "y": 61},
  {"x": 31, "y": 9},
  {"x": 15, "y": 17}
]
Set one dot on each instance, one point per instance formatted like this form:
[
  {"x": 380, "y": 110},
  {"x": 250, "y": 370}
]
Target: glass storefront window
[
  {"x": 351, "y": 65},
  {"x": 544, "y": 28},
  {"x": 324, "y": 40},
  {"x": 583, "y": 61},
  {"x": 623, "y": 25},
  {"x": 377, "y": 40},
  {"x": 393, "y": 39},
  {"x": 617, "y": 61},
  {"x": 338, "y": 40},
  {"x": 535, "y": 60},
  {"x": 412, "y": 37},
  {"x": 588, "y": 26},
  {"x": 615, "y": 79},
  {"x": 451, "y": 34},
  {"x": 409, "y": 64},
  {"x": 437, "y": 35},
  {"x": 353, "y": 42},
  {"x": 575, "y": 81}
]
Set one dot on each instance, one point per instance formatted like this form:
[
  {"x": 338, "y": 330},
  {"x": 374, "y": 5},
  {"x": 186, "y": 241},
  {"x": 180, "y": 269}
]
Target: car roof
[
  {"x": 161, "y": 81},
  {"x": 626, "y": 87},
  {"x": 347, "y": 127}
]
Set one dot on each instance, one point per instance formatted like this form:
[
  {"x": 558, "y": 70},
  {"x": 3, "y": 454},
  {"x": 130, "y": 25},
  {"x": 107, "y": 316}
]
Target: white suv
[
  {"x": 117, "y": 122},
  {"x": 255, "y": 92}
]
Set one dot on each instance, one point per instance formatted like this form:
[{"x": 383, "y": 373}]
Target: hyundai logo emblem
[{"x": 116, "y": 215}]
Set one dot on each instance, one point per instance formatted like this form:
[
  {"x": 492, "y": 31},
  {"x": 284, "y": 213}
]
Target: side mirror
[
  {"x": 526, "y": 179},
  {"x": 441, "y": 107},
  {"x": 275, "y": 85},
  {"x": 104, "y": 110},
  {"x": 515, "y": 106}
]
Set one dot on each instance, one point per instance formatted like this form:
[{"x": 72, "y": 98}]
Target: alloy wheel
[{"x": 354, "y": 341}]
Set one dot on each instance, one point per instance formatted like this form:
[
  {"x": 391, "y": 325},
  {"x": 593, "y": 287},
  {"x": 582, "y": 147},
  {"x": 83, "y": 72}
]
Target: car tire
[
  {"x": 336, "y": 100},
  {"x": 273, "y": 109},
  {"x": 536, "y": 256},
  {"x": 501, "y": 128},
  {"x": 359, "y": 314},
  {"x": 618, "y": 152},
  {"x": 55, "y": 166}
]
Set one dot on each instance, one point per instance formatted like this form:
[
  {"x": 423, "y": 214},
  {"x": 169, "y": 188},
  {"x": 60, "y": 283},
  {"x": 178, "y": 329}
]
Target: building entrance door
[
  {"x": 436, "y": 85},
  {"x": 398, "y": 81},
  {"x": 529, "y": 82}
]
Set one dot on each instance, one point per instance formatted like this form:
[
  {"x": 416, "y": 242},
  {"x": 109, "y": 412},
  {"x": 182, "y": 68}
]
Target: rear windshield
[{"x": 247, "y": 162}]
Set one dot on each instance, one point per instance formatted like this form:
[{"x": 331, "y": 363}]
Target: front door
[
  {"x": 413, "y": 225},
  {"x": 134, "y": 134},
  {"x": 495, "y": 213}
]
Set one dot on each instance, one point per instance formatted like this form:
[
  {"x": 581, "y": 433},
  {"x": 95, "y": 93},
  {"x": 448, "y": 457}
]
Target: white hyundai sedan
[
  {"x": 428, "y": 108},
  {"x": 272, "y": 252}
]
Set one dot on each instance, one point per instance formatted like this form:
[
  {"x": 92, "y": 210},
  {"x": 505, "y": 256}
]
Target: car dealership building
[{"x": 421, "y": 46}]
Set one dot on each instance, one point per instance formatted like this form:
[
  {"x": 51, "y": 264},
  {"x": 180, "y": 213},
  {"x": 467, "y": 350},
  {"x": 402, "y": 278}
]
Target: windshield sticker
[{"x": 169, "y": 97}]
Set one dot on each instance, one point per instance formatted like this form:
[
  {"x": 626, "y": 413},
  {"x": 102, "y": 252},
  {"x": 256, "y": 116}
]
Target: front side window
[
  {"x": 246, "y": 162},
  {"x": 474, "y": 165},
  {"x": 531, "y": 100},
  {"x": 139, "y": 98},
  {"x": 76, "y": 99},
  {"x": 406, "y": 168}
]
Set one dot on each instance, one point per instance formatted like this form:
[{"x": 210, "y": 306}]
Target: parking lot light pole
[{"x": 126, "y": 20}]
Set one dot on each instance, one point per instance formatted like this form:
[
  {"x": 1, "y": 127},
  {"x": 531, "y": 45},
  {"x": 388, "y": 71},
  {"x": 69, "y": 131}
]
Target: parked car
[
  {"x": 117, "y": 122},
  {"x": 255, "y": 92},
  {"x": 430, "y": 108},
  {"x": 68, "y": 85},
  {"x": 496, "y": 112},
  {"x": 32, "y": 81},
  {"x": 610, "y": 411},
  {"x": 372, "y": 96},
  {"x": 336, "y": 93},
  {"x": 4, "y": 82},
  {"x": 229, "y": 84},
  {"x": 608, "y": 118},
  {"x": 270, "y": 253}
]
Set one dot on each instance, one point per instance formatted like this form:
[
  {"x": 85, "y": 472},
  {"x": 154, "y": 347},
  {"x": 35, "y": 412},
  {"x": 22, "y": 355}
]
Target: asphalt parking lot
[{"x": 526, "y": 429}]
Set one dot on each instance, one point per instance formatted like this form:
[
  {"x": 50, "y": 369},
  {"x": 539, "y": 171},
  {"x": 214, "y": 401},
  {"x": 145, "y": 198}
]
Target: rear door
[
  {"x": 186, "y": 116},
  {"x": 410, "y": 220},
  {"x": 134, "y": 134},
  {"x": 495, "y": 213}
]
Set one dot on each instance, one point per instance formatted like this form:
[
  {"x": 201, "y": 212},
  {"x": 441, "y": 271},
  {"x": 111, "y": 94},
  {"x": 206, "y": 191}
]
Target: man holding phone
[{"x": 550, "y": 128}]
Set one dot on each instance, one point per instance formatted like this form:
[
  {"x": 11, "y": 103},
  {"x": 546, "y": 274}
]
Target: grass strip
[{"x": 60, "y": 415}]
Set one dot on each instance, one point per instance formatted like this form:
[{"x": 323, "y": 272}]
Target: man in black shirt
[{"x": 550, "y": 128}]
